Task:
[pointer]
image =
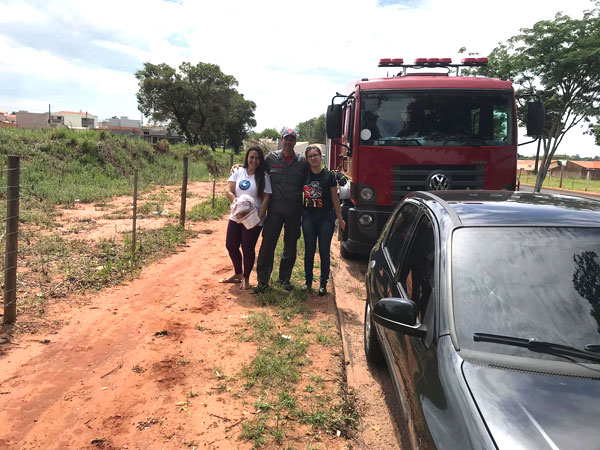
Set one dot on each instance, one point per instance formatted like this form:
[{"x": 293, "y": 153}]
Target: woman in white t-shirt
[{"x": 250, "y": 180}]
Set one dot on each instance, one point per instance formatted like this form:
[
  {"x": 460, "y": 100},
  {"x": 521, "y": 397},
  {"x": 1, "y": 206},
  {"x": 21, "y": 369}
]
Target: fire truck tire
[{"x": 348, "y": 254}]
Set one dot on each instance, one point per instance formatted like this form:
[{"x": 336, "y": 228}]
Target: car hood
[{"x": 525, "y": 409}]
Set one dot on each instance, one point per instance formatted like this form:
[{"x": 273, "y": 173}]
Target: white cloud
[{"x": 290, "y": 57}]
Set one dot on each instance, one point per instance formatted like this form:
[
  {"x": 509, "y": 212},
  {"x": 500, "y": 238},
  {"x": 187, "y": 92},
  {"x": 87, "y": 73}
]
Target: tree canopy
[
  {"x": 270, "y": 133},
  {"x": 559, "y": 60},
  {"x": 200, "y": 102},
  {"x": 312, "y": 130}
]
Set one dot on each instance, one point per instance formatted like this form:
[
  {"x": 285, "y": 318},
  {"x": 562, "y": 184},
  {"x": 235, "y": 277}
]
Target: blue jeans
[{"x": 317, "y": 226}]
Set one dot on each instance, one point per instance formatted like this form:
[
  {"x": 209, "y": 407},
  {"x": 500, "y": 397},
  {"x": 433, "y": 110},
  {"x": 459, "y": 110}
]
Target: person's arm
[
  {"x": 335, "y": 199},
  {"x": 264, "y": 205},
  {"x": 230, "y": 191}
]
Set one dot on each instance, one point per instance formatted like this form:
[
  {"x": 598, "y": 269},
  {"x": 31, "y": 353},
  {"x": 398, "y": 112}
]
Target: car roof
[{"x": 489, "y": 208}]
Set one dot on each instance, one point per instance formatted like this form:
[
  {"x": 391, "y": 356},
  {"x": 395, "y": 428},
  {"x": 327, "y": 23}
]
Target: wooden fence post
[
  {"x": 562, "y": 170},
  {"x": 135, "y": 195},
  {"x": 12, "y": 240},
  {"x": 183, "y": 192},
  {"x": 587, "y": 180}
]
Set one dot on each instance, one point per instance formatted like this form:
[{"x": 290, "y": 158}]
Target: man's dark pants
[{"x": 270, "y": 235}]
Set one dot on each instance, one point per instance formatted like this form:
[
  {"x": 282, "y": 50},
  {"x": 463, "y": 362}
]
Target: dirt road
[{"x": 152, "y": 363}]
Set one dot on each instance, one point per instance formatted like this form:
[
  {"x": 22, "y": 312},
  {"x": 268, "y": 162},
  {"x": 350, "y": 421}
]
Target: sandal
[{"x": 231, "y": 279}]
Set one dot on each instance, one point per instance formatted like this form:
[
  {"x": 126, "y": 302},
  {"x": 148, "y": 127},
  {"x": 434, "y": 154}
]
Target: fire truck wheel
[{"x": 346, "y": 254}]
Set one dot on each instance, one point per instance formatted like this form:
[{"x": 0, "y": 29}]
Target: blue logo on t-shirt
[{"x": 244, "y": 184}]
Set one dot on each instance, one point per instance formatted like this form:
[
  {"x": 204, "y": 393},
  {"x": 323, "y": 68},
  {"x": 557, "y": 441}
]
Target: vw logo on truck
[{"x": 439, "y": 181}]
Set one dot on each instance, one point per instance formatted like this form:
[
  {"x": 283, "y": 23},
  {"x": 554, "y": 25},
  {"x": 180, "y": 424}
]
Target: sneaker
[
  {"x": 307, "y": 286},
  {"x": 323, "y": 289},
  {"x": 286, "y": 285},
  {"x": 260, "y": 288}
]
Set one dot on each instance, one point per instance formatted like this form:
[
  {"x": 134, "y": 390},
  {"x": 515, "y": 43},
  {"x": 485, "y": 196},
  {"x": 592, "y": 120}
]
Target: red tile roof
[
  {"x": 588, "y": 164},
  {"x": 75, "y": 112}
]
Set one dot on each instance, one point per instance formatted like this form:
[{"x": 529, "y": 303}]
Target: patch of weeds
[
  {"x": 147, "y": 423},
  {"x": 254, "y": 430},
  {"x": 219, "y": 373},
  {"x": 263, "y": 326},
  {"x": 318, "y": 380},
  {"x": 205, "y": 210},
  {"x": 309, "y": 388},
  {"x": 323, "y": 339},
  {"x": 183, "y": 362},
  {"x": 192, "y": 394},
  {"x": 138, "y": 369}
]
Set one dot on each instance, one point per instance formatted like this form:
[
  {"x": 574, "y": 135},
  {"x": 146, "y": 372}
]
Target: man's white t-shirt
[{"x": 246, "y": 184}]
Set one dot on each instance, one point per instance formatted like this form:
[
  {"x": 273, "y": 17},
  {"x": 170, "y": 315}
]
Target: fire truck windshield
[{"x": 436, "y": 118}]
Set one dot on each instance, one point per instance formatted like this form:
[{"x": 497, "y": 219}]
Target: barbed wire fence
[{"x": 19, "y": 245}]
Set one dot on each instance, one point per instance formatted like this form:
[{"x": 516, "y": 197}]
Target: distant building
[
  {"x": 123, "y": 126},
  {"x": 155, "y": 133},
  {"x": 32, "y": 121},
  {"x": 75, "y": 120},
  {"x": 7, "y": 120},
  {"x": 527, "y": 166},
  {"x": 580, "y": 169},
  {"x": 123, "y": 122}
]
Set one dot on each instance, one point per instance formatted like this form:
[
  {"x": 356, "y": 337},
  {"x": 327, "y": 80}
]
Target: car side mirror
[
  {"x": 399, "y": 314},
  {"x": 536, "y": 117},
  {"x": 333, "y": 121}
]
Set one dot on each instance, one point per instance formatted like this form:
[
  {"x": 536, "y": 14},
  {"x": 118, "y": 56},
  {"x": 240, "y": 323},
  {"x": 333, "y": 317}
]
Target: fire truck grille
[{"x": 419, "y": 178}]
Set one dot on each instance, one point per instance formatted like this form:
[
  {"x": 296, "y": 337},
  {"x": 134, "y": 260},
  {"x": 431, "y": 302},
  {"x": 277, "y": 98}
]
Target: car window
[
  {"x": 417, "y": 270},
  {"x": 399, "y": 230},
  {"x": 526, "y": 282}
]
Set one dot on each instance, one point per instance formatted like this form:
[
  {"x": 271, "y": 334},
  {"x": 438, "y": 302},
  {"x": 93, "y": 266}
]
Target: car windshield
[
  {"x": 534, "y": 282},
  {"x": 436, "y": 118}
]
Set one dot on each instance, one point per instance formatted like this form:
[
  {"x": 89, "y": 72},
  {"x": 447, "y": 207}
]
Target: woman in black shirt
[{"x": 321, "y": 206}]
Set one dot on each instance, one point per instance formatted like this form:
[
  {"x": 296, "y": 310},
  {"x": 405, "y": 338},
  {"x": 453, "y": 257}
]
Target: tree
[
  {"x": 239, "y": 121},
  {"x": 596, "y": 132},
  {"x": 559, "y": 60},
  {"x": 312, "y": 130},
  {"x": 194, "y": 100},
  {"x": 269, "y": 133}
]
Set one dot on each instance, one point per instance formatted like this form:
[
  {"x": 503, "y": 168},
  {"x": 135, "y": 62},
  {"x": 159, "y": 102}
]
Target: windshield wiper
[
  {"x": 399, "y": 141},
  {"x": 538, "y": 346}
]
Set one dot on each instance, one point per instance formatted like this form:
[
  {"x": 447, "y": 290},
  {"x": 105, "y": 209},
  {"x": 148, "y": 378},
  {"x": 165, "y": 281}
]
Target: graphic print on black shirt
[
  {"x": 317, "y": 190},
  {"x": 313, "y": 195}
]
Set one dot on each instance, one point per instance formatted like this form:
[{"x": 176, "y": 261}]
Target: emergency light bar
[{"x": 433, "y": 62}]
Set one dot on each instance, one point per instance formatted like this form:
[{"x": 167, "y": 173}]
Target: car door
[
  {"x": 414, "y": 279},
  {"x": 387, "y": 253}
]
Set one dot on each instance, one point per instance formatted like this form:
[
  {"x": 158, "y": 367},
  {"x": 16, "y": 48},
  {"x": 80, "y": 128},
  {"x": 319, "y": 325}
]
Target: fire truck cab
[{"x": 419, "y": 130}]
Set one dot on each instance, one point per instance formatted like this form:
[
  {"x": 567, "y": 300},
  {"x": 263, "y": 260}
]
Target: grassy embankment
[{"x": 60, "y": 167}]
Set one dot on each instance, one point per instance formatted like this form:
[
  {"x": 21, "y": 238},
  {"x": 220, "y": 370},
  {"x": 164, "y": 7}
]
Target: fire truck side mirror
[
  {"x": 334, "y": 121},
  {"x": 536, "y": 117}
]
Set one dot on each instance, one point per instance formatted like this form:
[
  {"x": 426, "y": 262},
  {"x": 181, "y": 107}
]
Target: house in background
[
  {"x": 74, "y": 120},
  {"x": 580, "y": 169},
  {"x": 526, "y": 167},
  {"x": 8, "y": 120},
  {"x": 122, "y": 126},
  {"x": 156, "y": 133},
  {"x": 32, "y": 121}
]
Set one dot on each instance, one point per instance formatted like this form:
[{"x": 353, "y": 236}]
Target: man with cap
[{"x": 287, "y": 171}]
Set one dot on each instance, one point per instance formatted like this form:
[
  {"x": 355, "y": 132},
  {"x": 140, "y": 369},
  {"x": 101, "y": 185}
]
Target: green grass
[
  {"x": 281, "y": 363},
  {"x": 205, "y": 211},
  {"x": 63, "y": 166},
  {"x": 575, "y": 184}
]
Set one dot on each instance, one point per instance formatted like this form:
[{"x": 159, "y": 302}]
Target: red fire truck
[{"x": 421, "y": 129}]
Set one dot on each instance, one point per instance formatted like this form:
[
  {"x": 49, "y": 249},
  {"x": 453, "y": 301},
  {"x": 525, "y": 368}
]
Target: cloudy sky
[{"x": 290, "y": 57}]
